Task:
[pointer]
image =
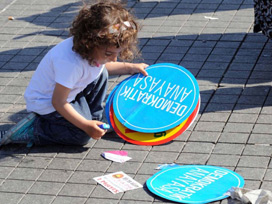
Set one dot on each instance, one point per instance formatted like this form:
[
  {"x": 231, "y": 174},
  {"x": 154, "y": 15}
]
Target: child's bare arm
[
  {"x": 59, "y": 101},
  {"x": 119, "y": 68}
]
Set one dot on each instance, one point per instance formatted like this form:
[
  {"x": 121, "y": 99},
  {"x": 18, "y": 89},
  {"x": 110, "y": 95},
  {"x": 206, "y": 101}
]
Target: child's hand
[
  {"x": 138, "y": 68},
  {"x": 94, "y": 131}
]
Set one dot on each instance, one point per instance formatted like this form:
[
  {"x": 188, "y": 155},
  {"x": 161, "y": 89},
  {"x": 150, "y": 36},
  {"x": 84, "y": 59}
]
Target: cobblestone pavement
[{"x": 211, "y": 38}]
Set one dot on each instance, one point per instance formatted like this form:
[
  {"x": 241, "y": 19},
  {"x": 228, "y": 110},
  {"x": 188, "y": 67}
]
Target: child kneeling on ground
[{"x": 66, "y": 92}]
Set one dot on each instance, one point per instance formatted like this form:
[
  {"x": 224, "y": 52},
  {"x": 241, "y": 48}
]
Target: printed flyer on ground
[{"x": 117, "y": 182}]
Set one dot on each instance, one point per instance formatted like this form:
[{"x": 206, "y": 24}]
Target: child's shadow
[{"x": 22, "y": 149}]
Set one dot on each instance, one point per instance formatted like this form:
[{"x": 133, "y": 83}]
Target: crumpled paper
[{"x": 258, "y": 196}]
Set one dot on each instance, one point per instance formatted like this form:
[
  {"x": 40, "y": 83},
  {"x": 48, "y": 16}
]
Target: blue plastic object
[
  {"x": 194, "y": 183},
  {"x": 104, "y": 126},
  {"x": 157, "y": 102}
]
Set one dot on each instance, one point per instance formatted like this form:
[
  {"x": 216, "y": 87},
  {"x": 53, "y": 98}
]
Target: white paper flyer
[{"x": 117, "y": 182}]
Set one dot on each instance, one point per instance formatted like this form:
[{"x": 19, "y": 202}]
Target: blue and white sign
[
  {"x": 194, "y": 183},
  {"x": 157, "y": 102},
  {"x": 109, "y": 103}
]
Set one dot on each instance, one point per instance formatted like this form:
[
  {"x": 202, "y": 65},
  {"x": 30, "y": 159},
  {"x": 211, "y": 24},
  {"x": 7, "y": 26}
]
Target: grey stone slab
[
  {"x": 218, "y": 107},
  {"x": 94, "y": 165},
  {"x": 102, "y": 201},
  {"x": 65, "y": 164},
  {"x": 265, "y": 119},
  {"x": 36, "y": 199},
  {"x": 84, "y": 177},
  {"x": 16, "y": 90},
  {"x": 55, "y": 175},
  {"x": 10, "y": 198},
  {"x": 199, "y": 136},
  {"x": 246, "y": 108},
  {"x": 5, "y": 171},
  {"x": 238, "y": 127},
  {"x": 268, "y": 175},
  {"x": 232, "y": 149},
  {"x": 251, "y": 173},
  {"x": 147, "y": 168},
  {"x": 8, "y": 98},
  {"x": 214, "y": 116},
  {"x": 267, "y": 185},
  {"x": 262, "y": 128},
  {"x": 128, "y": 167},
  {"x": 192, "y": 158},
  {"x": 246, "y": 118},
  {"x": 29, "y": 174},
  {"x": 252, "y": 184},
  {"x": 169, "y": 147},
  {"x": 258, "y": 150},
  {"x": 223, "y": 160},
  {"x": 101, "y": 192},
  {"x": 66, "y": 199},
  {"x": 35, "y": 162},
  {"x": 254, "y": 161},
  {"x": 198, "y": 147},
  {"x": 238, "y": 138},
  {"x": 210, "y": 126},
  {"x": 45, "y": 188},
  {"x": 162, "y": 157},
  {"x": 260, "y": 139},
  {"x": 10, "y": 160},
  {"x": 15, "y": 186},
  {"x": 77, "y": 190}
]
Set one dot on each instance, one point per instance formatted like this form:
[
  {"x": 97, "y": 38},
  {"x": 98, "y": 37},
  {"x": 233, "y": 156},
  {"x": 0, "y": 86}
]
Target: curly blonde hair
[{"x": 93, "y": 28}]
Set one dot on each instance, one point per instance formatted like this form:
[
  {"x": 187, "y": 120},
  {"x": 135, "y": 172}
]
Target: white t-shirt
[{"x": 60, "y": 65}]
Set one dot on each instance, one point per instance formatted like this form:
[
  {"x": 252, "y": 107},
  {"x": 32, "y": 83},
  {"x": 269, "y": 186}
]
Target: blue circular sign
[
  {"x": 194, "y": 183},
  {"x": 157, "y": 102},
  {"x": 108, "y": 104}
]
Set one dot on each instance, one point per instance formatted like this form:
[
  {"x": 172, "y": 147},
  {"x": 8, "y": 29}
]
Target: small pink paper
[
  {"x": 118, "y": 152},
  {"x": 116, "y": 156}
]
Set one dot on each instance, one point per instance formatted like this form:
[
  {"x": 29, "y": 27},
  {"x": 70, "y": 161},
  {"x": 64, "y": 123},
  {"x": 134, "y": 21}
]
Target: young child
[{"x": 66, "y": 92}]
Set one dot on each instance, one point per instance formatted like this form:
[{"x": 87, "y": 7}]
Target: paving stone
[
  {"x": 45, "y": 188},
  {"x": 35, "y": 162},
  {"x": 210, "y": 126},
  {"x": 16, "y": 186},
  {"x": 192, "y": 158},
  {"x": 10, "y": 198},
  {"x": 251, "y": 173},
  {"x": 65, "y": 199},
  {"x": 239, "y": 138},
  {"x": 36, "y": 199},
  {"x": 5, "y": 171},
  {"x": 226, "y": 160},
  {"x": 262, "y": 128},
  {"x": 238, "y": 127},
  {"x": 78, "y": 190},
  {"x": 260, "y": 139},
  {"x": 232, "y": 149},
  {"x": 254, "y": 161},
  {"x": 10, "y": 160},
  {"x": 102, "y": 201},
  {"x": 198, "y": 147},
  {"x": 101, "y": 192},
  {"x": 258, "y": 150},
  {"x": 128, "y": 167},
  {"x": 94, "y": 165},
  {"x": 214, "y": 116},
  {"x": 267, "y": 185},
  {"x": 55, "y": 175},
  {"x": 84, "y": 177},
  {"x": 204, "y": 136},
  {"x": 25, "y": 174}
]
